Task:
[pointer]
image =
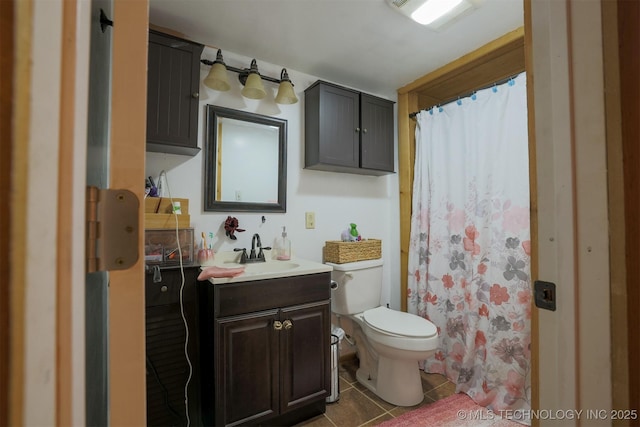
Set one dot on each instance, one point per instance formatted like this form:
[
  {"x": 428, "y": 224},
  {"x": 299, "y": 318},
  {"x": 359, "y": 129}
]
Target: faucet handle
[
  {"x": 261, "y": 254},
  {"x": 243, "y": 255}
]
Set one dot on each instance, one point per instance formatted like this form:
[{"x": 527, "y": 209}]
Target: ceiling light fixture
[
  {"x": 432, "y": 13},
  {"x": 250, "y": 78}
]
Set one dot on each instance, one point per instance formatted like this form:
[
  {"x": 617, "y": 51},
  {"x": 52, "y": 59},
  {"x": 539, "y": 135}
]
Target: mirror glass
[{"x": 245, "y": 161}]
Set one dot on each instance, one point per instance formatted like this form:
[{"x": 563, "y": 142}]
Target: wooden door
[{"x": 49, "y": 145}]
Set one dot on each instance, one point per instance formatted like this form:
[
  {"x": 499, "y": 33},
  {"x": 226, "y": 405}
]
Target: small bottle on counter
[{"x": 283, "y": 246}]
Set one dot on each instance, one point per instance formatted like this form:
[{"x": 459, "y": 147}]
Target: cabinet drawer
[
  {"x": 167, "y": 291},
  {"x": 246, "y": 297}
]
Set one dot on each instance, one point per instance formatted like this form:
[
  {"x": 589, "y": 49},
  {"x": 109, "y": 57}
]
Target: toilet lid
[{"x": 399, "y": 323}]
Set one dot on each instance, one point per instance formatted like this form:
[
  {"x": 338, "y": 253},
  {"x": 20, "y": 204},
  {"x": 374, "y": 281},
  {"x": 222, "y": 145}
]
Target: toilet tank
[{"x": 358, "y": 286}]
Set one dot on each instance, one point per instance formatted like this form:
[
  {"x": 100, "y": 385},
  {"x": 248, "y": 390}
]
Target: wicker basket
[{"x": 340, "y": 252}]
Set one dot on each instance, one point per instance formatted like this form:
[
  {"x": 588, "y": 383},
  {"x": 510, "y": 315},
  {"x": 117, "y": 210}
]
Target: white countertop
[{"x": 270, "y": 269}]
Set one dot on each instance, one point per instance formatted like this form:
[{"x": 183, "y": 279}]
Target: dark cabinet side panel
[{"x": 166, "y": 363}]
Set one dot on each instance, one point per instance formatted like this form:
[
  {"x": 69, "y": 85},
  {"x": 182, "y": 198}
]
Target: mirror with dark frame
[{"x": 245, "y": 162}]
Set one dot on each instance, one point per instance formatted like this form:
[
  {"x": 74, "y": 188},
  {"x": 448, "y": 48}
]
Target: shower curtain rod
[{"x": 499, "y": 82}]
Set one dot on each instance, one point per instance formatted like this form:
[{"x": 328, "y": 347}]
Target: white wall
[{"x": 336, "y": 198}]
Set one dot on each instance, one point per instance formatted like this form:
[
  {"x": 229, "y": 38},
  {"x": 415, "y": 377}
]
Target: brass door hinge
[{"x": 112, "y": 229}]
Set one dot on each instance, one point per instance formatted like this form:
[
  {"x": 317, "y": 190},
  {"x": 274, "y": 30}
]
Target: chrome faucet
[{"x": 253, "y": 257}]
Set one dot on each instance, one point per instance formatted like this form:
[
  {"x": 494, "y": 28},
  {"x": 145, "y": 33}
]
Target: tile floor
[{"x": 358, "y": 406}]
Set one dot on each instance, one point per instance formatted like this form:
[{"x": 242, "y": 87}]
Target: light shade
[
  {"x": 253, "y": 88},
  {"x": 285, "y": 95},
  {"x": 217, "y": 77}
]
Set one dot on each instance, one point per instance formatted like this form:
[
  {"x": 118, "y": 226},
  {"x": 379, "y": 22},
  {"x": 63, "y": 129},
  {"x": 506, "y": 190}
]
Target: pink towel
[{"x": 210, "y": 272}]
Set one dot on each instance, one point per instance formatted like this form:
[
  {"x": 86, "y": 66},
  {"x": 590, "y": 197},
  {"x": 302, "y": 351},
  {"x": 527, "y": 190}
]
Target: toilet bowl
[{"x": 389, "y": 343}]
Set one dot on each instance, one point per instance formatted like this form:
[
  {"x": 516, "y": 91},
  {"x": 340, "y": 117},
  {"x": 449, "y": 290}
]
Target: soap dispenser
[{"x": 283, "y": 252}]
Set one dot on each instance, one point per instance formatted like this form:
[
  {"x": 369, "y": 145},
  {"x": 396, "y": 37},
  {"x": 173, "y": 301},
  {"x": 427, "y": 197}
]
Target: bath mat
[{"x": 458, "y": 410}]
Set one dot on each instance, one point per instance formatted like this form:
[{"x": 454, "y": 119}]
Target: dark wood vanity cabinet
[
  {"x": 173, "y": 82},
  {"x": 348, "y": 131},
  {"x": 266, "y": 359},
  {"x": 167, "y": 366}
]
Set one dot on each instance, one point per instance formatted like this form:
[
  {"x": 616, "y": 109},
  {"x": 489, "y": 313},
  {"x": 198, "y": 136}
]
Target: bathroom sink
[
  {"x": 264, "y": 267},
  {"x": 269, "y": 269}
]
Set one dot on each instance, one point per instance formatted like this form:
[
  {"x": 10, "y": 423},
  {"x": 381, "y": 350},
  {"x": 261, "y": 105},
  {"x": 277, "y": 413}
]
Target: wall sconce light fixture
[{"x": 251, "y": 80}]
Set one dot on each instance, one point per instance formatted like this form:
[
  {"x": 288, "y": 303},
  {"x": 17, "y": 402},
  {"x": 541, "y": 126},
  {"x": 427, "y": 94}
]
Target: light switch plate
[{"x": 310, "y": 219}]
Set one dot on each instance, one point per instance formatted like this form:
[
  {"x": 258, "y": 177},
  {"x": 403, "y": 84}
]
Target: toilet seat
[
  {"x": 399, "y": 323},
  {"x": 399, "y": 330}
]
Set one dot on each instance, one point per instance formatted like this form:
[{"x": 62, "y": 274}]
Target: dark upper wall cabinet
[
  {"x": 347, "y": 131},
  {"x": 172, "y": 94}
]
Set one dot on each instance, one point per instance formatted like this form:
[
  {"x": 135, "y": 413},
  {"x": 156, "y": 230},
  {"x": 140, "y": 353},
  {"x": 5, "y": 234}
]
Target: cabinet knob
[
  {"x": 277, "y": 325},
  {"x": 163, "y": 289},
  {"x": 287, "y": 324},
  {"x": 364, "y": 130},
  {"x": 195, "y": 94},
  {"x": 357, "y": 129}
]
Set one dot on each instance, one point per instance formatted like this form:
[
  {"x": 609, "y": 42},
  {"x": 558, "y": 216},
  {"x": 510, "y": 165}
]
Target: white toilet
[{"x": 389, "y": 343}]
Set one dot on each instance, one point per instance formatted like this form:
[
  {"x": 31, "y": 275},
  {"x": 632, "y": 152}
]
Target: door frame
[{"x": 127, "y": 372}]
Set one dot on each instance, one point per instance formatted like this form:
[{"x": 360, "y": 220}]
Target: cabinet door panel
[
  {"x": 377, "y": 134},
  {"x": 172, "y": 100},
  {"x": 178, "y": 63},
  {"x": 247, "y": 368},
  {"x": 169, "y": 71},
  {"x": 339, "y": 118},
  {"x": 304, "y": 354}
]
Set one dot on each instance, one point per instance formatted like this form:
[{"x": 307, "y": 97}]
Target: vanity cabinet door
[
  {"x": 173, "y": 82},
  {"x": 247, "y": 368},
  {"x": 265, "y": 350},
  {"x": 304, "y": 354}
]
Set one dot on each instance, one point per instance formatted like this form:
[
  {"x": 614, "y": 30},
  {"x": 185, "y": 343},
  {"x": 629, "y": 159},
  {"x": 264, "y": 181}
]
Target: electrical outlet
[{"x": 310, "y": 219}]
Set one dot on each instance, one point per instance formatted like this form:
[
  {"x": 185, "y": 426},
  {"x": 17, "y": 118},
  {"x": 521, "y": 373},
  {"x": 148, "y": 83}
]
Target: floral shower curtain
[{"x": 469, "y": 257}]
